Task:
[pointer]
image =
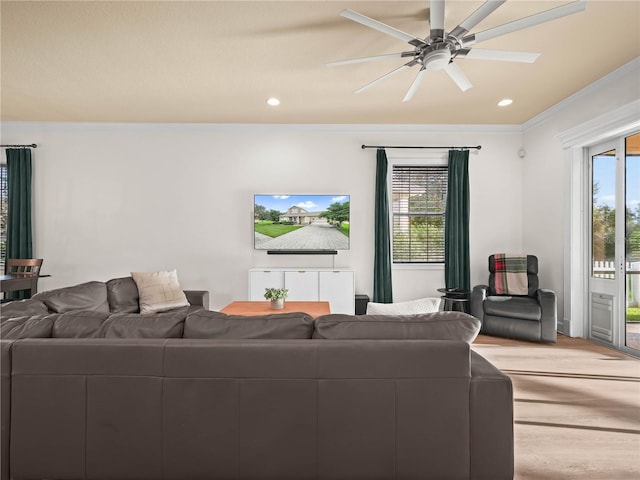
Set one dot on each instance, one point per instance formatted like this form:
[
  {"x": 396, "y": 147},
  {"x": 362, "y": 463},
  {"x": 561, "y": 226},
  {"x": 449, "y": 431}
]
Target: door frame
[{"x": 575, "y": 143}]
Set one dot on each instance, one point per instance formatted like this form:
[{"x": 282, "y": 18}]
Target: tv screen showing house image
[{"x": 301, "y": 222}]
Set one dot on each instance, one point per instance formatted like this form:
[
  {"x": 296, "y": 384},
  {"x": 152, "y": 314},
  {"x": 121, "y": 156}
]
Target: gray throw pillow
[
  {"x": 86, "y": 296},
  {"x": 208, "y": 324},
  {"x": 122, "y": 294},
  {"x": 429, "y": 326}
]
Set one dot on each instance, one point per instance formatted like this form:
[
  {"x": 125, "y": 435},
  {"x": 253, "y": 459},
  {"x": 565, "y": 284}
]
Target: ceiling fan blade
[
  {"x": 458, "y": 76},
  {"x": 436, "y": 19},
  {"x": 498, "y": 55},
  {"x": 526, "y": 22},
  {"x": 384, "y": 77},
  {"x": 369, "y": 59},
  {"x": 381, "y": 27},
  {"x": 414, "y": 86},
  {"x": 486, "y": 9}
]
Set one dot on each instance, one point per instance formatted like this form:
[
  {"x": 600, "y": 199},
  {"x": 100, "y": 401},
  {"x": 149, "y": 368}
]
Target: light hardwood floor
[{"x": 576, "y": 408}]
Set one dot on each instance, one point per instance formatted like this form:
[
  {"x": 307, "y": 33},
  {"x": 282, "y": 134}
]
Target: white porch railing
[{"x": 608, "y": 270}]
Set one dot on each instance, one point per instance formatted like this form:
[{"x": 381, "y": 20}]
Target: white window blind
[{"x": 419, "y": 197}]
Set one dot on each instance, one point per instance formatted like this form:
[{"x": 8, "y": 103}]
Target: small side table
[{"x": 455, "y": 299}]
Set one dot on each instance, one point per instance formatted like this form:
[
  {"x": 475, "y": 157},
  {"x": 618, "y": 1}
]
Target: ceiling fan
[{"x": 440, "y": 48}]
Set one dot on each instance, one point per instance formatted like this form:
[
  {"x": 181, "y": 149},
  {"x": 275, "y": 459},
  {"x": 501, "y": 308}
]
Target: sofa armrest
[
  {"x": 5, "y": 406},
  {"x": 478, "y": 296},
  {"x": 491, "y": 417},
  {"x": 549, "y": 319},
  {"x": 198, "y": 297}
]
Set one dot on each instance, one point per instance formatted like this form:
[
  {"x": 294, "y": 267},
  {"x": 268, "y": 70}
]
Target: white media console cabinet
[{"x": 336, "y": 286}]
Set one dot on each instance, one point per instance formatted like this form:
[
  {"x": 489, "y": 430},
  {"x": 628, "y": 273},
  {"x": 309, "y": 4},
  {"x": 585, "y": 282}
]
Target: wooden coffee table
[{"x": 314, "y": 309}]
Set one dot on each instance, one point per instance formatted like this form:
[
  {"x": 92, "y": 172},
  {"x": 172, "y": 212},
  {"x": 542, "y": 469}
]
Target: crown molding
[
  {"x": 259, "y": 127},
  {"x": 628, "y": 68},
  {"x": 618, "y": 122}
]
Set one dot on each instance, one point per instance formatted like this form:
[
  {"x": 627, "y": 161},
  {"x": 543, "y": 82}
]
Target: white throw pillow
[
  {"x": 159, "y": 291},
  {"x": 412, "y": 307}
]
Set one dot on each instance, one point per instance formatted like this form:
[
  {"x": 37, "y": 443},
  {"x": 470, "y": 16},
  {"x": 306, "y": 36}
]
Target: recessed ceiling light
[
  {"x": 273, "y": 101},
  {"x": 504, "y": 102}
]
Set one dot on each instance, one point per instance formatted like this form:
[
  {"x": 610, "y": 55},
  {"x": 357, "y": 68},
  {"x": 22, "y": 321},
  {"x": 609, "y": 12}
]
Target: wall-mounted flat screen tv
[{"x": 301, "y": 223}]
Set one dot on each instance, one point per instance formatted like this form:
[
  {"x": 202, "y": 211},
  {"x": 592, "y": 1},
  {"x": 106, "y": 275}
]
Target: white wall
[
  {"x": 115, "y": 198},
  {"x": 112, "y": 198},
  {"x": 546, "y": 181}
]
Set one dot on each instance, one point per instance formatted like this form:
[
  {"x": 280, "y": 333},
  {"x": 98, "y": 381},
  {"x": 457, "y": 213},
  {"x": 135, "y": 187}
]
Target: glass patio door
[
  {"x": 631, "y": 336},
  {"x": 615, "y": 242}
]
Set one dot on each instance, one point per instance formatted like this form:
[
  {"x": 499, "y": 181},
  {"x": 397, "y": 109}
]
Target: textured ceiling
[{"x": 217, "y": 62}]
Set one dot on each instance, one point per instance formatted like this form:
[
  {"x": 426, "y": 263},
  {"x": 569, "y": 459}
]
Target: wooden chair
[
  {"x": 24, "y": 266},
  {"x": 28, "y": 271}
]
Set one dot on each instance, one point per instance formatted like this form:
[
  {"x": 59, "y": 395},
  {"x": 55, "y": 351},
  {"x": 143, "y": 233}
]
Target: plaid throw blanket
[{"x": 511, "y": 274}]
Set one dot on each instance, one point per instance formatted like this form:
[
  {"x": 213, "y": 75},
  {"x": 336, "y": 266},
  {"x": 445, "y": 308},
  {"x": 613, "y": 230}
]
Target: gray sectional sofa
[
  {"x": 102, "y": 309},
  {"x": 197, "y": 394}
]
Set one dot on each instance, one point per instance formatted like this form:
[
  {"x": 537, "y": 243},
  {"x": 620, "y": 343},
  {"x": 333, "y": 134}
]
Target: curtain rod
[
  {"x": 436, "y": 148},
  {"x": 33, "y": 145}
]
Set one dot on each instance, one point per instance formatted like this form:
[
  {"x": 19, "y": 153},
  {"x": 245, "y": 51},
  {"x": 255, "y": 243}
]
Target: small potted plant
[{"x": 277, "y": 296}]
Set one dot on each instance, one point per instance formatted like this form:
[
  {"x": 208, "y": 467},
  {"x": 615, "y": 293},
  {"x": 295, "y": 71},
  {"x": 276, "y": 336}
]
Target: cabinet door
[
  {"x": 302, "y": 285},
  {"x": 337, "y": 288},
  {"x": 259, "y": 280}
]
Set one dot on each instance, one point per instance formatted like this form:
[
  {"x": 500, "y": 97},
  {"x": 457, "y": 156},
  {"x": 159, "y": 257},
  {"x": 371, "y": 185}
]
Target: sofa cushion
[
  {"x": 36, "y": 326},
  {"x": 159, "y": 291},
  {"x": 412, "y": 307},
  {"x": 134, "y": 325},
  {"x": 22, "y": 308},
  {"x": 182, "y": 312},
  {"x": 78, "y": 324},
  {"x": 208, "y": 324},
  {"x": 525, "y": 308},
  {"x": 122, "y": 294},
  {"x": 86, "y": 296},
  {"x": 429, "y": 326}
]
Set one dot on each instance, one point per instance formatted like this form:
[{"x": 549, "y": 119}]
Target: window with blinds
[{"x": 419, "y": 197}]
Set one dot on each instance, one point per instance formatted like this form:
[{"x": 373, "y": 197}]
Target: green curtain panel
[
  {"x": 456, "y": 230},
  {"x": 382, "y": 291},
  {"x": 19, "y": 234}
]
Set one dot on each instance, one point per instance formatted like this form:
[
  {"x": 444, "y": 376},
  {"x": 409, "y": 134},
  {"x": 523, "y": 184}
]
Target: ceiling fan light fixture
[
  {"x": 273, "y": 101},
  {"x": 505, "y": 102},
  {"x": 437, "y": 59}
]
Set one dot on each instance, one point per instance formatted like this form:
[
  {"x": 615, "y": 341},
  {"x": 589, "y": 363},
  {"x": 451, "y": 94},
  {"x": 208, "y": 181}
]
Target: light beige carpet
[{"x": 576, "y": 410}]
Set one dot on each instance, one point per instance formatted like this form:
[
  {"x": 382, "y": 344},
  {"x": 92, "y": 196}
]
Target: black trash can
[{"x": 361, "y": 304}]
